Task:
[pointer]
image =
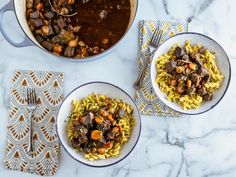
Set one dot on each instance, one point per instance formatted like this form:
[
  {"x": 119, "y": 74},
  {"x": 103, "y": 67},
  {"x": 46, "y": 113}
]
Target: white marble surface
[{"x": 200, "y": 146}]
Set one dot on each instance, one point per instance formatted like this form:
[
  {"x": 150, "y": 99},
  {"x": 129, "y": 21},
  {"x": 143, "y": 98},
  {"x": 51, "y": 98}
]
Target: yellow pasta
[
  {"x": 163, "y": 78},
  {"x": 93, "y": 103}
]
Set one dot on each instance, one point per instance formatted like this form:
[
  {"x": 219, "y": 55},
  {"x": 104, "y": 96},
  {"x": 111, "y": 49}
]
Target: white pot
[{"x": 19, "y": 8}]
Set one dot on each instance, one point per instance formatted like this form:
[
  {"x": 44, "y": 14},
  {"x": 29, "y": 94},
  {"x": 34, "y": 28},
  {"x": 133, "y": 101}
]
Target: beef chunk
[
  {"x": 208, "y": 97},
  {"x": 106, "y": 125},
  {"x": 36, "y": 22},
  {"x": 60, "y": 22},
  {"x": 195, "y": 57},
  {"x": 204, "y": 74},
  {"x": 110, "y": 135},
  {"x": 101, "y": 143},
  {"x": 202, "y": 91},
  {"x": 82, "y": 139},
  {"x": 81, "y": 129},
  {"x": 56, "y": 28},
  {"x": 34, "y": 14},
  {"x": 180, "y": 77},
  {"x": 39, "y": 38},
  {"x": 75, "y": 144},
  {"x": 118, "y": 138},
  {"x": 202, "y": 71},
  {"x": 55, "y": 39},
  {"x": 179, "y": 52},
  {"x": 191, "y": 91},
  {"x": 47, "y": 45},
  {"x": 69, "y": 52},
  {"x": 87, "y": 121},
  {"x": 170, "y": 66},
  {"x": 195, "y": 78},
  {"x": 182, "y": 62},
  {"x": 49, "y": 14}
]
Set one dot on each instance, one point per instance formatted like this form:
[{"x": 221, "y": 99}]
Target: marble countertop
[{"x": 199, "y": 146}]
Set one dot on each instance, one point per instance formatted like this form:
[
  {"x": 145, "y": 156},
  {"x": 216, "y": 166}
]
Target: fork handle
[
  {"x": 138, "y": 83},
  {"x": 30, "y": 142}
]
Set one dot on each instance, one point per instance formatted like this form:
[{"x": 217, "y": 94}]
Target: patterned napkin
[
  {"x": 147, "y": 101},
  {"x": 48, "y": 86}
]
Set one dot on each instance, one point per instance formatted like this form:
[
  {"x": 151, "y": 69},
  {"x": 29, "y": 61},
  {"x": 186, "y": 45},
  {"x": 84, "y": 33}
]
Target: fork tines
[{"x": 156, "y": 37}]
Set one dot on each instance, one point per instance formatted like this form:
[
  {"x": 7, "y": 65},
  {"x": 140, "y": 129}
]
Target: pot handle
[{"x": 26, "y": 41}]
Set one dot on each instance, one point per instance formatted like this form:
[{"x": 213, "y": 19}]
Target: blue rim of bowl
[
  {"x": 86, "y": 59},
  {"x": 228, "y": 82},
  {"x": 139, "y": 117}
]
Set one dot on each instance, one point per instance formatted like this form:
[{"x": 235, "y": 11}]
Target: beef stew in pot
[{"x": 96, "y": 27}]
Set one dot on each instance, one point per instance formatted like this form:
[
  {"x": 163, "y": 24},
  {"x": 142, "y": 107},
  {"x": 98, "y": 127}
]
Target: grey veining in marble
[{"x": 201, "y": 146}]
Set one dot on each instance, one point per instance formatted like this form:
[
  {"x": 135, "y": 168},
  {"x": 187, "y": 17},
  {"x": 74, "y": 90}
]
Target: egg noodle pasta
[
  {"x": 93, "y": 103},
  {"x": 163, "y": 78}
]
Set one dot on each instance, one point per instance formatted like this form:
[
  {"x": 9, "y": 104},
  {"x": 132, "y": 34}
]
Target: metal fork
[
  {"x": 155, "y": 41},
  {"x": 31, "y": 106}
]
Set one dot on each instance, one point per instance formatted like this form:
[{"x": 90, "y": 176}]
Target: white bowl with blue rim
[
  {"x": 222, "y": 61},
  {"x": 81, "y": 92}
]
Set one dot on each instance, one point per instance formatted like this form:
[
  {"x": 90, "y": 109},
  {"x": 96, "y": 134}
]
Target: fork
[
  {"x": 31, "y": 106},
  {"x": 154, "y": 43}
]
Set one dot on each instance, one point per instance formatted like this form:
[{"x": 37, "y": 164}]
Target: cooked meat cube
[
  {"x": 208, "y": 97},
  {"x": 191, "y": 91},
  {"x": 82, "y": 139},
  {"x": 39, "y": 38},
  {"x": 75, "y": 144},
  {"x": 118, "y": 138},
  {"x": 170, "y": 66},
  {"x": 195, "y": 57},
  {"x": 182, "y": 62},
  {"x": 179, "y": 52},
  {"x": 202, "y": 91},
  {"x": 49, "y": 14},
  {"x": 101, "y": 143},
  {"x": 86, "y": 150},
  {"x": 202, "y": 71},
  {"x": 106, "y": 125},
  {"x": 206, "y": 78},
  {"x": 87, "y": 121},
  {"x": 69, "y": 52},
  {"x": 81, "y": 129},
  {"x": 34, "y": 14},
  {"x": 110, "y": 135},
  {"x": 55, "y": 39},
  {"x": 195, "y": 78},
  {"x": 47, "y": 45},
  {"x": 56, "y": 29},
  {"x": 180, "y": 77},
  {"x": 60, "y": 22},
  {"x": 36, "y": 22}
]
